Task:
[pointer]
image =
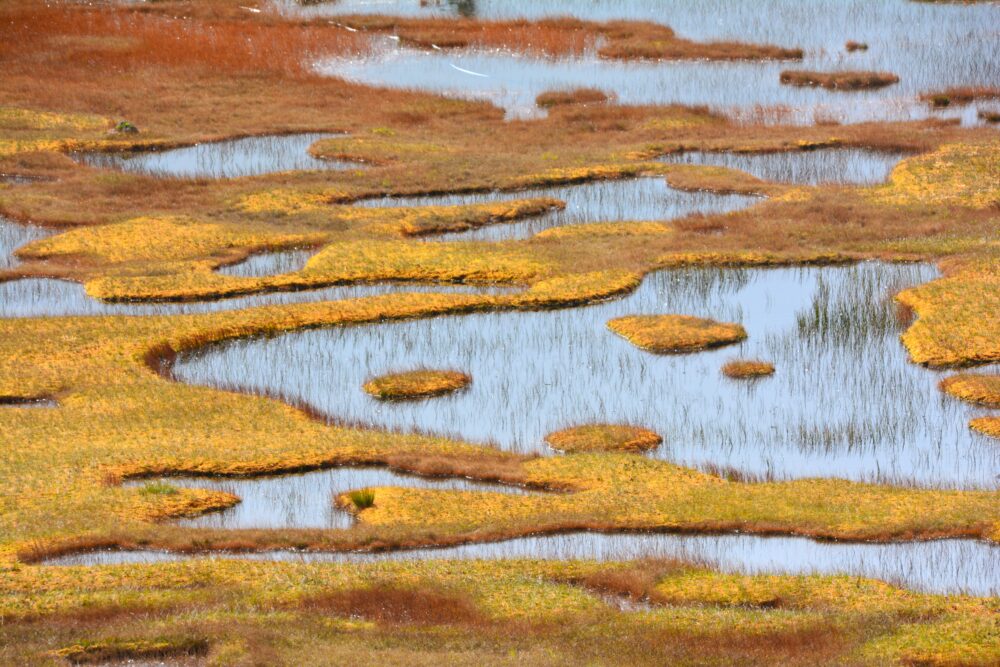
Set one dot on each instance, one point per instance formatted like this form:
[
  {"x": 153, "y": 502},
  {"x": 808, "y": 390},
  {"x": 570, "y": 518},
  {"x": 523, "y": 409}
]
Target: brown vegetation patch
[
  {"x": 411, "y": 385},
  {"x": 851, "y": 46},
  {"x": 838, "y": 80},
  {"x": 604, "y": 438},
  {"x": 676, "y": 333},
  {"x": 555, "y": 98},
  {"x": 961, "y": 95},
  {"x": 397, "y": 606},
  {"x": 747, "y": 369},
  {"x": 989, "y": 116}
]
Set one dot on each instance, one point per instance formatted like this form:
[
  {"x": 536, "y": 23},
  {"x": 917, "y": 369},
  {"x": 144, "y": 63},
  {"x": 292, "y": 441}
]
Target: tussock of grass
[
  {"x": 556, "y": 98},
  {"x": 851, "y": 46},
  {"x": 416, "y": 384},
  {"x": 604, "y": 438},
  {"x": 362, "y": 498},
  {"x": 665, "y": 334},
  {"x": 747, "y": 369},
  {"x": 838, "y": 80}
]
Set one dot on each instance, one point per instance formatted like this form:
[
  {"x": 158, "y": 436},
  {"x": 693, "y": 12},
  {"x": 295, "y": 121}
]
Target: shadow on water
[
  {"x": 947, "y": 566},
  {"x": 638, "y": 199},
  {"x": 249, "y": 156},
  {"x": 845, "y": 400},
  {"x": 306, "y": 500}
]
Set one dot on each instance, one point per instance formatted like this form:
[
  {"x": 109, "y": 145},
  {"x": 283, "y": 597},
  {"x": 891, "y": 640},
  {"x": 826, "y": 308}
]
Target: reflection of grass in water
[{"x": 853, "y": 311}]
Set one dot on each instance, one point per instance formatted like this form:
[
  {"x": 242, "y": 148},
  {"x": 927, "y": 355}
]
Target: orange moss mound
[
  {"x": 740, "y": 369},
  {"x": 838, "y": 80},
  {"x": 979, "y": 389},
  {"x": 676, "y": 333},
  {"x": 604, "y": 438},
  {"x": 554, "y": 98},
  {"x": 987, "y": 426},
  {"x": 416, "y": 384}
]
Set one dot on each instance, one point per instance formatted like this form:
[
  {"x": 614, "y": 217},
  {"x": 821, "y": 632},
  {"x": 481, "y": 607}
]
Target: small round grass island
[
  {"x": 671, "y": 334},
  {"x": 417, "y": 384},
  {"x": 604, "y": 438},
  {"x": 747, "y": 369}
]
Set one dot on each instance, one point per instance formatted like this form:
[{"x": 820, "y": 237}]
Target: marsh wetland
[{"x": 499, "y": 332}]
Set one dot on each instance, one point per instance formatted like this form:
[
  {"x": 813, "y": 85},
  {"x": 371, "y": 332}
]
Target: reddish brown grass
[
  {"x": 553, "y": 98},
  {"x": 397, "y": 606},
  {"x": 838, "y": 80},
  {"x": 116, "y": 40}
]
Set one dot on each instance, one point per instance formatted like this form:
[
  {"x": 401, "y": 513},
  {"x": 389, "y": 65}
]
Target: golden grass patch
[
  {"x": 410, "y": 385},
  {"x": 747, "y": 369},
  {"x": 979, "y": 389},
  {"x": 604, "y": 438},
  {"x": 987, "y": 426},
  {"x": 665, "y": 334}
]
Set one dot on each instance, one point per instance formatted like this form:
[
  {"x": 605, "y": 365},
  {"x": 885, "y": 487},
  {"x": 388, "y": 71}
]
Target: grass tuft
[{"x": 362, "y": 498}]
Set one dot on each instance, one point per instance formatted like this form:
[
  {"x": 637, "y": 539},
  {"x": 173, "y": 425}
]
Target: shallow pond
[
  {"x": 249, "y": 156},
  {"x": 636, "y": 199},
  {"x": 947, "y": 566},
  {"x": 928, "y": 45},
  {"x": 306, "y": 500},
  {"x": 746, "y": 91},
  {"x": 844, "y": 402}
]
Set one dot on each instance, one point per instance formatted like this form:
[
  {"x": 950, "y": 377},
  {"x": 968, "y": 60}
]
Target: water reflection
[
  {"x": 854, "y": 166},
  {"x": 746, "y": 91},
  {"x": 946, "y": 566},
  {"x": 306, "y": 500},
  {"x": 600, "y": 201},
  {"x": 44, "y": 297},
  {"x": 844, "y": 402},
  {"x": 249, "y": 156},
  {"x": 264, "y": 264}
]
